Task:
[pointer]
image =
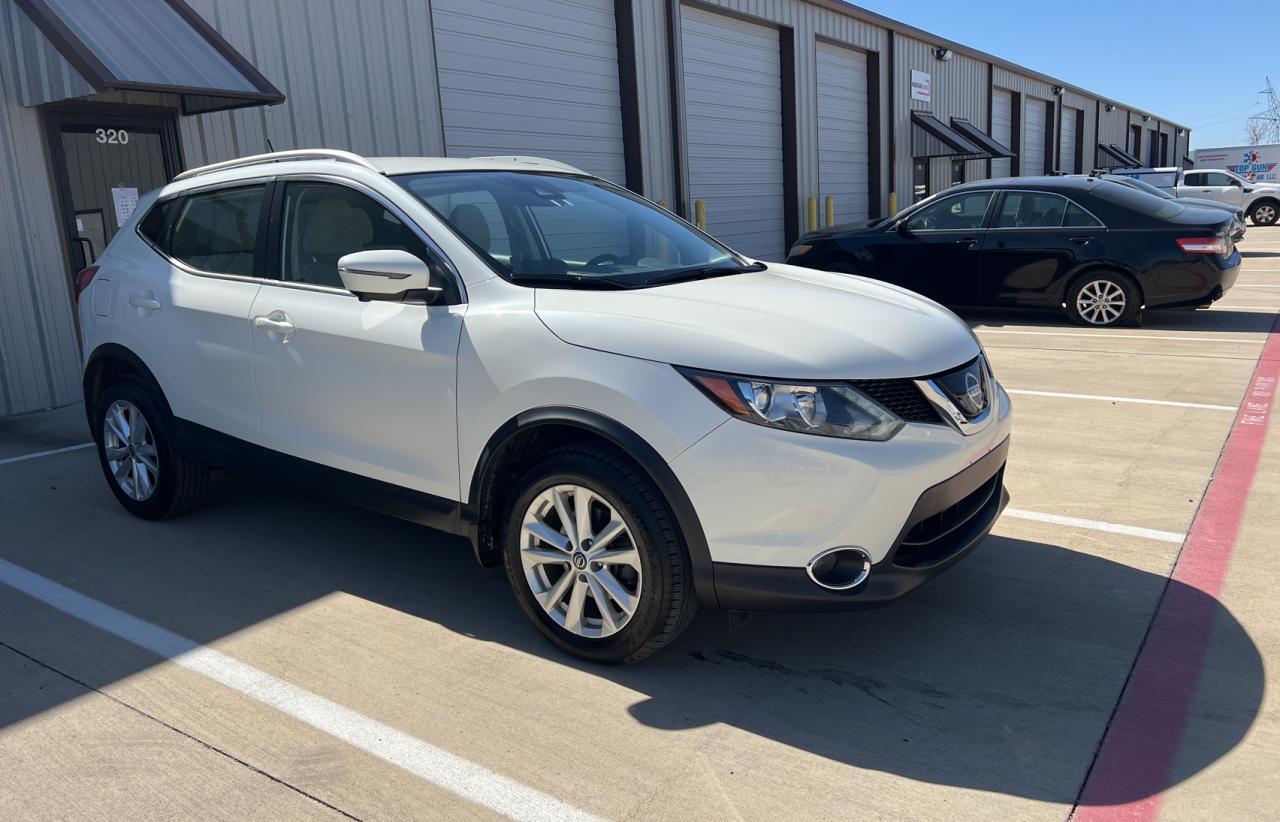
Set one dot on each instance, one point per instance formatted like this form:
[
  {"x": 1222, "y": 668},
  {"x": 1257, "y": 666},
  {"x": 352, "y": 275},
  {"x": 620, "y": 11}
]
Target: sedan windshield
[{"x": 564, "y": 231}]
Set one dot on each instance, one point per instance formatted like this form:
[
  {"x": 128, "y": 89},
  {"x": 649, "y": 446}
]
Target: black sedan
[{"x": 1101, "y": 250}]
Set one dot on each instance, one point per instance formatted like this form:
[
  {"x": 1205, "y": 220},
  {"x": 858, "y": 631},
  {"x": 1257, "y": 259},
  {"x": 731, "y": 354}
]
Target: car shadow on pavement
[
  {"x": 1000, "y": 676},
  {"x": 1203, "y": 321}
]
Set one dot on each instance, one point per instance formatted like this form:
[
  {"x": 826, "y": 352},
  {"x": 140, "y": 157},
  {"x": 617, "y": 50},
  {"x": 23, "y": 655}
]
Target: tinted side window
[
  {"x": 1194, "y": 178},
  {"x": 153, "y": 225},
  {"x": 324, "y": 222},
  {"x": 961, "y": 212},
  {"x": 1024, "y": 209},
  {"x": 1077, "y": 217},
  {"x": 1217, "y": 178},
  {"x": 218, "y": 231}
]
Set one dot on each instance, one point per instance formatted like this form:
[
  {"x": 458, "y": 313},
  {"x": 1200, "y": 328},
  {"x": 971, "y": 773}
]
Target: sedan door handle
[
  {"x": 967, "y": 242},
  {"x": 277, "y": 322},
  {"x": 147, "y": 302},
  {"x": 1081, "y": 240}
]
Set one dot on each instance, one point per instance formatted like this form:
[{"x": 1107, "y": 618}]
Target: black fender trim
[
  {"x": 631, "y": 444},
  {"x": 92, "y": 379}
]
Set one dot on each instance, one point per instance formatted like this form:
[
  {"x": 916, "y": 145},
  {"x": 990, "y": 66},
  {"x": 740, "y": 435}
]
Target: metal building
[{"x": 748, "y": 111}]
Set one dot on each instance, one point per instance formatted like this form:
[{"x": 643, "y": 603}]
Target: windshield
[{"x": 560, "y": 230}]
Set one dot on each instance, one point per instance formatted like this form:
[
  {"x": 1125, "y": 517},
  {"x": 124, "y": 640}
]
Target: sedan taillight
[
  {"x": 1203, "y": 245},
  {"x": 84, "y": 278}
]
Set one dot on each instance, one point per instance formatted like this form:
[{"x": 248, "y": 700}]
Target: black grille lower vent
[{"x": 902, "y": 397}]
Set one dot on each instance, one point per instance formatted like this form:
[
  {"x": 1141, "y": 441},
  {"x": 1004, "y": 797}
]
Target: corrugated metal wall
[
  {"x": 39, "y": 353},
  {"x": 356, "y": 76},
  {"x": 959, "y": 90}
]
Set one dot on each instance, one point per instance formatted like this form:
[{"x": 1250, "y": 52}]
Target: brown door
[{"x": 104, "y": 161}]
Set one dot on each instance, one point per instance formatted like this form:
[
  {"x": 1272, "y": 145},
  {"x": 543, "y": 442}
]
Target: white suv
[{"x": 629, "y": 416}]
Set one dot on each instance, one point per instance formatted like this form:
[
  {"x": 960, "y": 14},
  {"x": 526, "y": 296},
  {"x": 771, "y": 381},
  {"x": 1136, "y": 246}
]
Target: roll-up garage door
[
  {"x": 1070, "y": 122},
  {"x": 1002, "y": 129},
  {"x": 538, "y": 79},
  {"x": 843, "y": 130},
  {"x": 1033, "y": 141},
  {"x": 733, "y": 123}
]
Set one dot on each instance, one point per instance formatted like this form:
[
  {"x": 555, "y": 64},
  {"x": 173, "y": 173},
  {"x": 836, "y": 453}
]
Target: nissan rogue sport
[{"x": 629, "y": 416}]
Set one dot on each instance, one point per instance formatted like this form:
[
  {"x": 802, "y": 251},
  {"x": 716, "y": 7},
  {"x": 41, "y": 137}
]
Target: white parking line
[
  {"x": 439, "y": 767},
  {"x": 39, "y": 454},
  {"x": 1095, "y": 525},
  {"x": 1134, "y": 400},
  {"x": 1100, "y": 335},
  {"x": 1269, "y": 309},
  {"x": 1247, "y": 285}
]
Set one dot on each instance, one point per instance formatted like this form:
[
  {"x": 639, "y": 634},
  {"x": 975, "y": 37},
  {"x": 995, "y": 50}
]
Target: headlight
[{"x": 829, "y": 409}]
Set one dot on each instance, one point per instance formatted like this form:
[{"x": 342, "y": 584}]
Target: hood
[{"x": 785, "y": 322}]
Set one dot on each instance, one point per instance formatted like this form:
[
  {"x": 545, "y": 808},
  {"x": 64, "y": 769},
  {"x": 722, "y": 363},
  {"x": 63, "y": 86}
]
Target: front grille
[
  {"x": 938, "y": 536},
  {"x": 902, "y": 397}
]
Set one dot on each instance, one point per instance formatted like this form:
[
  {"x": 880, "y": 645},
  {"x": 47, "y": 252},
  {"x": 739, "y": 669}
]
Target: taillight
[
  {"x": 1203, "y": 245},
  {"x": 84, "y": 278}
]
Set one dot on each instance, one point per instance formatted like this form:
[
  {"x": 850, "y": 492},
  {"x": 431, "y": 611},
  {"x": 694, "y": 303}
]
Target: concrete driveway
[{"x": 276, "y": 655}]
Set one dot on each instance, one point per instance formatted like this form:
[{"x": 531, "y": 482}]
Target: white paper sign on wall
[{"x": 921, "y": 86}]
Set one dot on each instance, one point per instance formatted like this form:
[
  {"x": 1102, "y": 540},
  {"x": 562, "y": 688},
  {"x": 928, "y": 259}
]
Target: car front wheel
[
  {"x": 1102, "y": 298},
  {"x": 595, "y": 559}
]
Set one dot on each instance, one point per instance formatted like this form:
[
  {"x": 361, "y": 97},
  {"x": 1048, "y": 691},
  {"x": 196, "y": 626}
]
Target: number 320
[{"x": 112, "y": 136}]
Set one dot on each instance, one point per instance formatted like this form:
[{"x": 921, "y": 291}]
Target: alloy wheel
[
  {"x": 1101, "y": 302},
  {"x": 580, "y": 561},
  {"x": 130, "y": 448},
  {"x": 1264, "y": 214}
]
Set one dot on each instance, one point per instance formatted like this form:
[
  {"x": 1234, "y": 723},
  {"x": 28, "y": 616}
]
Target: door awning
[
  {"x": 931, "y": 138},
  {"x": 980, "y": 138},
  {"x": 1124, "y": 158},
  {"x": 151, "y": 45}
]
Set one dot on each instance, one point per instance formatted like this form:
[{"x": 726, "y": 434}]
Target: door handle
[
  {"x": 277, "y": 322},
  {"x": 967, "y": 242},
  {"x": 1081, "y": 240},
  {"x": 147, "y": 302}
]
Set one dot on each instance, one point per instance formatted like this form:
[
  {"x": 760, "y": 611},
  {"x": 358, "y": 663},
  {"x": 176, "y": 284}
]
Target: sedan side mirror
[
  {"x": 385, "y": 274},
  {"x": 902, "y": 229}
]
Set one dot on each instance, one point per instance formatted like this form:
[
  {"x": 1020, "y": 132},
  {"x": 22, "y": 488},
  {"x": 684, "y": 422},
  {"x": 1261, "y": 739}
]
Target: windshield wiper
[
  {"x": 703, "y": 271},
  {"x": 567, "y": 281}
]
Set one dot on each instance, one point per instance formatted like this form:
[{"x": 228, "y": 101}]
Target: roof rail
[
  {"x": 280, "y": 157},
  {"x": 536, "y": 161}
]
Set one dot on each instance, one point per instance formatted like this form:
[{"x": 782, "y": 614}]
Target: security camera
[{"x": 943, "y": 54}]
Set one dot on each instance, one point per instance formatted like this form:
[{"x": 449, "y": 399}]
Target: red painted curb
[{"x": 1138, "y": 750}]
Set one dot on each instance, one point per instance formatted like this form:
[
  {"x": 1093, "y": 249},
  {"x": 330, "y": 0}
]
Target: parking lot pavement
[{"x": 299, "y": 658}]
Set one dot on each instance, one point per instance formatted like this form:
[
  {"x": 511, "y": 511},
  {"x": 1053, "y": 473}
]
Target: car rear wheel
[
  {"x": 1102, "y": 298},
  {"x": 1265, "y": 212},
  {"x": 595, "y": 559},
  {"x": 135, "y": 450}
]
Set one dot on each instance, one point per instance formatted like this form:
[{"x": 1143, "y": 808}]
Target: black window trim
[
  {"x": 166, "y": 233},
  {"x": 943, "y": 197},
  {"x": 274, "y": 233},
  {"x": 1007, "y": 191}
]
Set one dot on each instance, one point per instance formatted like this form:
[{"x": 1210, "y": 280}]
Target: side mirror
[
  {"x": 902, "y": 229},
  {"x": 385, "y": 274}
]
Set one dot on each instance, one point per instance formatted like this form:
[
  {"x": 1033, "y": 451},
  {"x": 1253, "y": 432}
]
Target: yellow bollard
[
  {"x": 700, "y": 214},
  {"x": 813, "y": 213},
  {"x": 831, "y": 211},
  {"x": 893, "y": 203}
]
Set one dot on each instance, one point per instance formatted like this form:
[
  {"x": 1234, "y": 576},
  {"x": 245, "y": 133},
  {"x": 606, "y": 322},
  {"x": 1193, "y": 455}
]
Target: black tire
[
  {"x": 667, "y": 602},
  {"x": 180, "y": 484},
  {"x": 1104, "y": 280},
  {"x": 1264, "y": 212}
]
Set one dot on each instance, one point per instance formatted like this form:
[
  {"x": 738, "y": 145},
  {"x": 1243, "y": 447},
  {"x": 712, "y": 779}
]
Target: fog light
[{"x": 839, "y": 568}]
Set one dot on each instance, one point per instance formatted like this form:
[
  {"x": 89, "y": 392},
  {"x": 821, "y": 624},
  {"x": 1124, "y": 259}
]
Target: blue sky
[{"x": 1173, "y": 58}]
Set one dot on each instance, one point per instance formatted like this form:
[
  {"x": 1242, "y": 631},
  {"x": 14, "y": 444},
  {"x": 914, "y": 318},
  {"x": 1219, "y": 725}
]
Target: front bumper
[{"x": 948, "y": 521}]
